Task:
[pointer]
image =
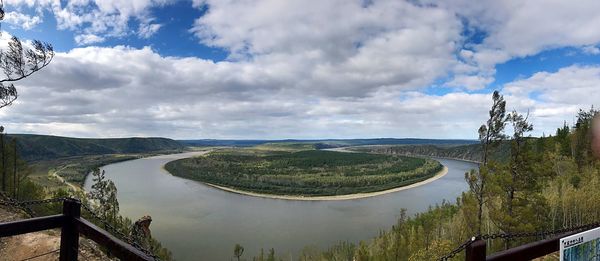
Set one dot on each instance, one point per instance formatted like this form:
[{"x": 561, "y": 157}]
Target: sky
[{"x": 303, "y": 69}]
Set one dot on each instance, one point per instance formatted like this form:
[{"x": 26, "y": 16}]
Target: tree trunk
[
  {"x": 3, "y": 162},
  {"x": 15, "y": 187},
  {"x": 480, "y": 211}
]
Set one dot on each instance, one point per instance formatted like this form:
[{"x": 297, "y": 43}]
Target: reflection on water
[{"x": 197, "y": 221}]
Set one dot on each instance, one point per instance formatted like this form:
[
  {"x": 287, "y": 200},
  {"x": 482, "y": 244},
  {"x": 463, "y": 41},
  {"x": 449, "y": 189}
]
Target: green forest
[
  {"x": 305, "y": 172},
  {"x": 542, "y": 184}
]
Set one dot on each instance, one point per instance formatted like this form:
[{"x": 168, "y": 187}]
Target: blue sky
[{"x": 294, "y": 69}]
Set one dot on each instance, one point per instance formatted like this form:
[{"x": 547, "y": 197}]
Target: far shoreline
[{"x": 439, "y": 175}]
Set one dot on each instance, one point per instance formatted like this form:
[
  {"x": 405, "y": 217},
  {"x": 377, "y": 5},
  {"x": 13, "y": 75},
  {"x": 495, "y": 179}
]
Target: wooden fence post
[
  {"x": 69, "y": 236},
  {"x": 476, "y": 251}
]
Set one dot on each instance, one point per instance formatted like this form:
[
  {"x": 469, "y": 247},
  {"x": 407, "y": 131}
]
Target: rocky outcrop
[{"x": 140, "y": 233}]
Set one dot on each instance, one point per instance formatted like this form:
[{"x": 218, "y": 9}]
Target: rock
[{"x": 140, "y": 233}]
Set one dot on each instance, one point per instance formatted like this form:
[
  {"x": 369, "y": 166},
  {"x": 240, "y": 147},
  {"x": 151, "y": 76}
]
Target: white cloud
[
  {"x": 470, "y": 82},
  {"x": 590, "y": 49},
  {"x": 385, "y": 45},
  {"x": 308, "y": 70},
  {"x": 554, "y": 97},
  {"x": 515, "y": 28},
  {"x": 123, "y": 91},
  {"x": 147, "y": 30},
  {"x": 87, "y": 39},
  {"x": 103, "y": 18},
  {"x": 24, "y": 21},
  {"x": 573, "y": 85}
]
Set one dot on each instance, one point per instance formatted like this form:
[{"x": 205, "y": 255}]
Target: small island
[{"x": 304, "y": 173}]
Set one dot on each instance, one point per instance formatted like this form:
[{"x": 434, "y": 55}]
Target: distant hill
[
  {"x": 43, "y": 147},
  {"x": 470, "y": 152},
  {"x": 330, "y": 143}
]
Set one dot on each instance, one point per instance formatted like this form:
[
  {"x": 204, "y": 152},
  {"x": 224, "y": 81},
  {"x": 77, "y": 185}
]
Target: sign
[{"x": 584, "y": 246}]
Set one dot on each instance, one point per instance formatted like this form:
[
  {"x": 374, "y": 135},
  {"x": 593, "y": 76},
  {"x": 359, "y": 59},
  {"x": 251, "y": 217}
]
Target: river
[{"x": 199, "y": 222}]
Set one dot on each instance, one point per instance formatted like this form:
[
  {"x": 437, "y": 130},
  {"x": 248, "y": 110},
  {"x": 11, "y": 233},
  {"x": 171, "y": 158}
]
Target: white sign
[{"x": 584, "y": 246}]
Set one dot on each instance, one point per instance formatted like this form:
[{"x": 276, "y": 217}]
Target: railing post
[
  {"x": 476, "y": 251},
  {"x": 69, "y": 235}
]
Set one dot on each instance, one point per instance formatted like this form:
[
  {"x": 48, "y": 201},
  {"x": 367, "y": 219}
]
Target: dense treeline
[
  {"x": 544, "y": 184},
  {"x": 311, "y": 172}
]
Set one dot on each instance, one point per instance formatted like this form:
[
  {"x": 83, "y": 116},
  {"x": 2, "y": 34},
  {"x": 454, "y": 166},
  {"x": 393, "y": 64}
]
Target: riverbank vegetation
[
  {"x": 70, "y": 172},
  {"x": 544, "y": 184},
  {"x": 304, "y": 172}
]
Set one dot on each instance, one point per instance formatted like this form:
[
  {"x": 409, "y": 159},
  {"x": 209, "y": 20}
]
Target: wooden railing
[
  {"x": 72, "y": 225},
  {"x": 476, "y": 251}
]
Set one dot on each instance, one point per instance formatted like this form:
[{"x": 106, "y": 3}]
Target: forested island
[{"x": 304, "y": 172}]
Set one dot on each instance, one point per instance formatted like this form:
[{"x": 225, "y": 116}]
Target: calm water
[{"x": 198, "y": 222}]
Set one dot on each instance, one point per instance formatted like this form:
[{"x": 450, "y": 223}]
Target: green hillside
[{"x": 43, "y": 147}]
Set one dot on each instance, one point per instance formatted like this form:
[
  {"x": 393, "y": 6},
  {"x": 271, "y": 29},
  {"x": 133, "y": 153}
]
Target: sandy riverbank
[{"x": 440, "y": 174}]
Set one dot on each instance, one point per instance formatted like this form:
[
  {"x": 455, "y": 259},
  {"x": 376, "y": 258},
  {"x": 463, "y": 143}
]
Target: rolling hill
[{"x": 43, "y": 147}]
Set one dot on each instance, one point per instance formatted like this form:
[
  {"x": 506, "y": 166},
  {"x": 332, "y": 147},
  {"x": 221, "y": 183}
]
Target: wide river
[{"x": 199, "y": 222}]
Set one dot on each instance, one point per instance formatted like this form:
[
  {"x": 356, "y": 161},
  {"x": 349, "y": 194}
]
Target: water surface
[{"x": 199, "y": 222}]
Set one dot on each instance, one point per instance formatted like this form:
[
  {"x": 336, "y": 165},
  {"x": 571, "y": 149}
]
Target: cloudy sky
[{"x": 247, "y": 69}]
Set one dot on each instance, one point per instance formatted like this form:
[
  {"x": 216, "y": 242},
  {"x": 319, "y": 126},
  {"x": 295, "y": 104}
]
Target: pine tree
[
  {"x": 104, "y": 193},
  {"x": 582, "y": 138},
  {"x": 490, "y": 135},
  {"x": 238, "y": 250},
  {"x": 516, "y": 182}
]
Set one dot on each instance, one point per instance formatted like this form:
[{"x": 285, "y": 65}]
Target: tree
[
  {"x": 3, "y": 152},
  {"x": 516, "y": 182},
  {"x": 104, "y": 193},
  {"x": 492, "y": 132},
  {"x": 562, "y": 138},
  {"x": 15, "y": 176},
  {"x": 520, "y": 165},
  {"x": 238, "y": 250},
  {"x": 16, "y": 63},
  {"x": 490, "y": 135},
  {"x": 582, "y": 138},
  {"x": 271, "y": 256}
]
